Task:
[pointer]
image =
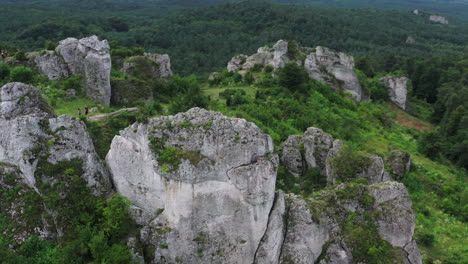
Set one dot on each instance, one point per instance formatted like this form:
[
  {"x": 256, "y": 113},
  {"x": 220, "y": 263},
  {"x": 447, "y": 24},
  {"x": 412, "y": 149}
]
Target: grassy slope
[{"x": 426, "y": 176}]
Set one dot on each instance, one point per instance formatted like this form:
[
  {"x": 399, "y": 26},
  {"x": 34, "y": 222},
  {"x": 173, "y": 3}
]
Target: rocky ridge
[
  {"x": 333, "y": 68},
  {"x": 202, "y": 188},
  {"x": 217, "y": 205}
]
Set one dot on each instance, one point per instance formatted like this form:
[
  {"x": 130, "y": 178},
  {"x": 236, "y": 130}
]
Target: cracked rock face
[
  {"x": 316, "y": 228},
  {"x": 397, "y": 89},
  {"x": 28, "y": 129},
  {"x": 210, "y": 201},
  {"x": 32, "y": 139},
  {"x": 91, "y": 58},
  {"x": 335, "y": 69},
  {"x": 52, "y": 65}
]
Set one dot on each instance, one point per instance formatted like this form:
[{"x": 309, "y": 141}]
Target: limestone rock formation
[
  {"x": 194, "y": 187},
  {"x": 397, "y": 89},
  {"x": 318, "y": 232},
  {"x": 333, "y": 68},
  {"x": 150, "y": 65},
  {"x": 316, "y": 149},
  {"x": 34, "y": 145},
  {"x": 311, "y": 150},
  {"x": 52, "y": 65},
  {"x": 91, "y": 58},
  {"x": 400, "y": 163},
  {"x": 336, "y": 69},
  {"x": 439, "y": 19},
  {"x": 29, "y": 130}
]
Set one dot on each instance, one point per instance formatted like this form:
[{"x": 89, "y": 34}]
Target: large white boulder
[{"x": 191, "y": 175}]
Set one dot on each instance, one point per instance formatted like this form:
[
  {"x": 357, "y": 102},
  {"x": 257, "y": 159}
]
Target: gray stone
[
  {"x": 375, "y": 172},
  {"x": 52, "y": 65},
  {"x": 236, "y": 63},
  {"x": 305, "y": 237},
  {"x": 397, "y": 220},
  {"x": 301, "y": 153},
  {"x": 215, "y": 203},
  {"x": 271, "y": 244},
  {"x": 29, "y": 129},
  {"x": 397, "y": 89},
  {"x": 91, "y": 58},
  {"x": 335, "y": 69}
]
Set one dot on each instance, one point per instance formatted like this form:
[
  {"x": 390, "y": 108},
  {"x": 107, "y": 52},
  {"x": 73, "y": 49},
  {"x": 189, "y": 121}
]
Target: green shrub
[
  {"x": 50, "y": 45},
  {"x": 74, "y": 82},
  {"x": 21, "y": 56},
  {"x": 349, "y": 162},
  {"x": 4, "y": 71},
  {"x": 249, "y": 78},
  {"x": 293, "y": 77},
  {"x": 21, "y": 74}
]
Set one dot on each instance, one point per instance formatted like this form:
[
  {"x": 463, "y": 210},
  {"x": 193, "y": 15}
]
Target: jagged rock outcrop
[
  {"x": 36, "y": 148},
  {"x": 399, "y": 163},
  {"x": 29, "y": 130},
  {"x": 329, "y": 227},
  {"x": 194, "y": 187},
  {"x": 52, "y": 65},
  {"x": 397, "y": 89},
  {"x": 336, "y": 69},
  {"x": 333, "y": 68},
  {"x": 202, "y": 197},
  {"x": 439, "y": 19},
  {"x": 311, "y": 150},
  {"x": 149, "y": 65},
  {"x": 91, "y": 58},
  {"x": 317, "y": 149}
]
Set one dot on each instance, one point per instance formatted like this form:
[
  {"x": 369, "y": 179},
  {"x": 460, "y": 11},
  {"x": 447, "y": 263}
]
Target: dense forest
[{"x": 434, "y": 130}]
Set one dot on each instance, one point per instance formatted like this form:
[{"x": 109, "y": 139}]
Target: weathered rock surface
[
  {"x": 400, "y": 163},
  {"x": 149, "y": 65},
  {"x": 32, "y": 141},
  {"x": 316, "y": 149},
  {"x": 272, "y": 242},
  {"x": 29, "y": 129},
  {"x": 336, "y": 69},
  {"x": 91, "y": 58},
  {"x": 316, "y": 228},
  {"x": 397, "y": 89},
  {"x": 207, "y": 203},
  {"x": 311, "y": 150},
  {"x": 52, "y": 65},
  {"x": 333, "y": 68}
]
